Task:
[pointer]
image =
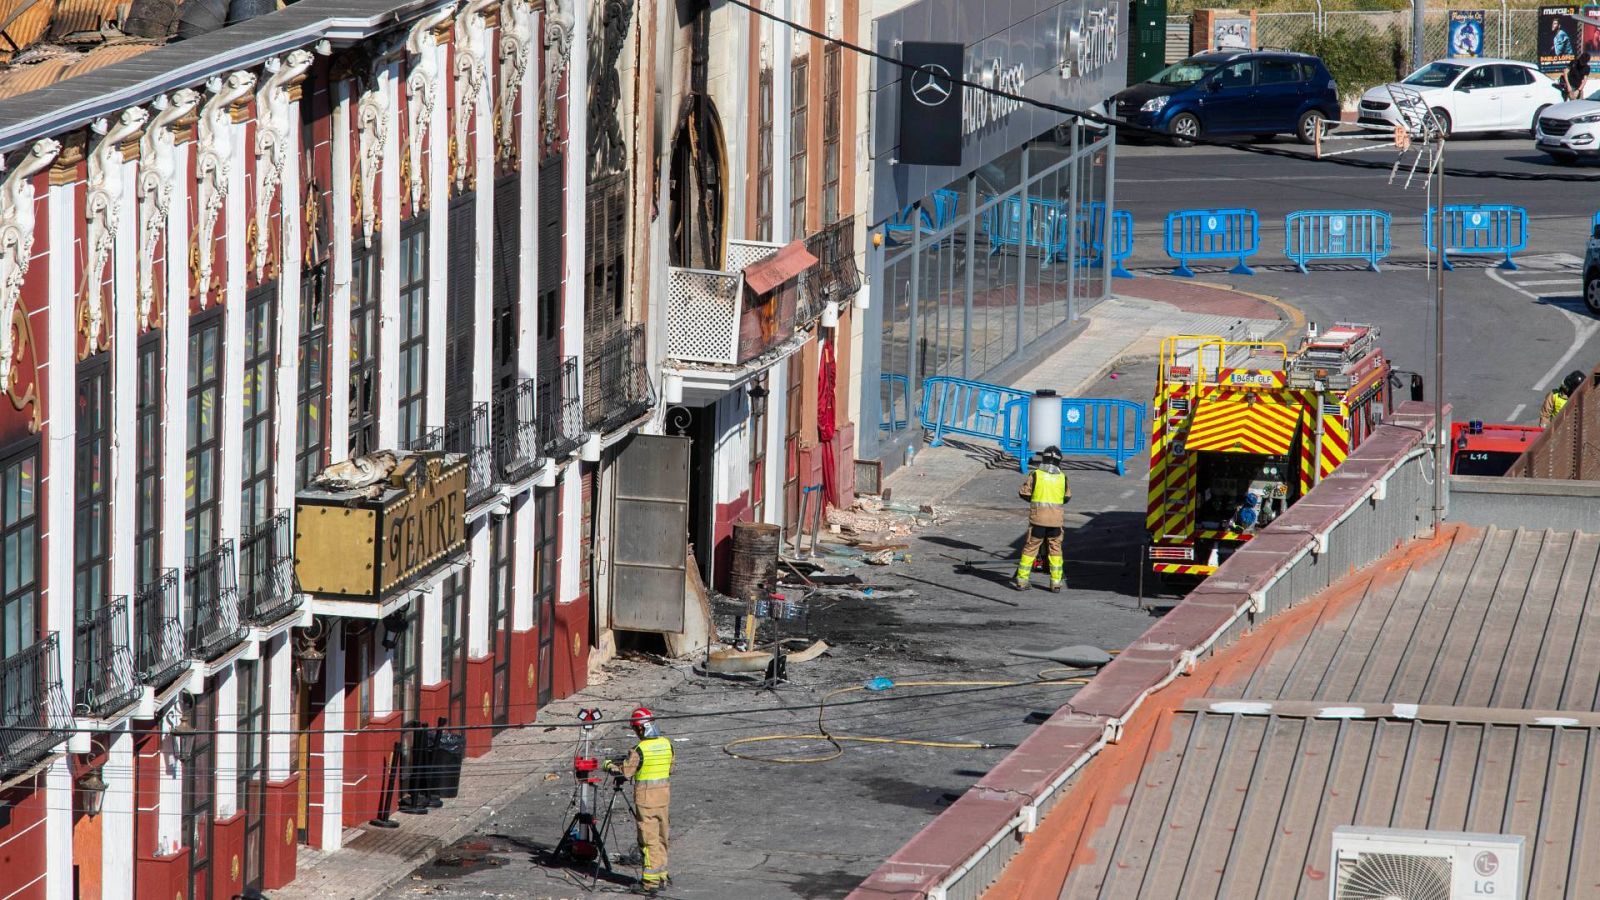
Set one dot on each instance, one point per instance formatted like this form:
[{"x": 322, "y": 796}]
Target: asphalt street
[{"x": 1509, "y": 334}]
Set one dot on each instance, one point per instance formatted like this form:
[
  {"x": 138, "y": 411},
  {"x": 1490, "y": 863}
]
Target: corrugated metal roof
[
  {"x": 1453, "y": 688},
  {"x": 25, "y": 79},
  {"x": 73, "y": 16},
  {"x": 30, "y": 24}
]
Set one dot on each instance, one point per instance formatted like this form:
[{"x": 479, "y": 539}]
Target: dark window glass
[
  {"x": 203, "y": 457},
  {"x": 260, "y": 356},
  {"x": 91, "y": 523},
  {"x": 413, "y": 331},
  {"x": 1481, "y": 77},
  {"x": 311, "y": 436},
  {"x": 19, "y": 541},
  {"x": 1238, "y": 75},
  {"x": 147, "y": 496},
  {"x": 1278, "y": 71},
  {"x": 832, "y": 110},
  {"x": 798, "y": 81},
  {"x": 764, "y": 156},
  {"x": 364, "y": 352}
]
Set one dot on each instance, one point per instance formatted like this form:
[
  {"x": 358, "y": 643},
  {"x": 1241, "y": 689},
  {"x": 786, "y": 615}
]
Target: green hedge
[{"x": 1357, "y": 59}]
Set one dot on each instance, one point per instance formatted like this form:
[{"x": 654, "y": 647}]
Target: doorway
[
  {"x": 502, "y": 547},
  {"x": 199, "y": 795},
  {"x": 544, "y": 588},
  {"x": 252, "y": 770}
]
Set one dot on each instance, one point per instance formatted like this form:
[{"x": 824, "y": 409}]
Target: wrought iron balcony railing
[
  {"x": 616, "y": 381},
  {"x": 102, "y": 663},
  {"x": 560, "y": 410},
  {"x": 835, "y": 276},
  {"x": 160, "y": 649},
  {"x": 467, "y": 435},
  {"x": 211, "y": 589},
  {"x": 266, "y": 556},
  {"x": 35, "y": 716},
  {"x": 516, "y": 442}
]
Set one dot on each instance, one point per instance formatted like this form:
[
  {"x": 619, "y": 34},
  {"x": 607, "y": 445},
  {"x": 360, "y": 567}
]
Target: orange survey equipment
[{"x": 1243, "y": 429}]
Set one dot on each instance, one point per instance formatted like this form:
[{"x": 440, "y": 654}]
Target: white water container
[{"x": 1044, "y": 420}]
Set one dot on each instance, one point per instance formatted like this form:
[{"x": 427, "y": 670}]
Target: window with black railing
[
  {"x": 616, "y": 381},
  {"x": 160, "y": 648},
  {"x": 35, "y": 715},
  {"x": 102, "y": 663},
  {"x": 516, "y": 443},
  {"x": 469, "y": 436},
  {"x": 147, "y": 463},
  {"x": 266, "y": 560},
  {"x": 311, "y": 437},
  {"x": 835, "y": 277},
  {"x": 260, "y": 362},
  {"x": 91, "y": 523},
  {"x": 211, "y": 589},
  {"x": 20, "y": 611},
  {"x": 560, "y": 410}
]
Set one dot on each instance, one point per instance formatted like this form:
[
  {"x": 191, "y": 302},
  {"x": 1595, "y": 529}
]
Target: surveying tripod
[{"x": 583, "y": 840}]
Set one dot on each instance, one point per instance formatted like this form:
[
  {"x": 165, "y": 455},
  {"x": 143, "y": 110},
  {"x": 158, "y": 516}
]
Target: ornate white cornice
[
  {"x": 558, "y": 26},
  {"x": 470, "y": 64},
  {"x": 516, "y": 49},
  {"x": 16, "y": 242},
  {"x": 102, "y": 210},
  {"x": 158, "y": 164},
  {"x": 372, "y": 132},
  {"x": 272, "y": 143},
  {"x": 215, "y": 163},
  {"x": 422, "y": 93}
]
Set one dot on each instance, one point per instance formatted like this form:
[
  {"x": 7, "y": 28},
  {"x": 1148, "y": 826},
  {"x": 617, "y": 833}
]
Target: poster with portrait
[
  {"x": 1232, "y": 34},
  {"x": 1559, "y": 36},
  {"x": 1466, "y": 33}
]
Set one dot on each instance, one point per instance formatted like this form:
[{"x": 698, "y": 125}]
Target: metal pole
[
  {"x": 1022, "y": 251},
  {"x": 1417, "y": 27},
  {"x": 966, "y": 306},
  {"x": 1107, "y": 264},
  {"x": 1439, "y": 468}
]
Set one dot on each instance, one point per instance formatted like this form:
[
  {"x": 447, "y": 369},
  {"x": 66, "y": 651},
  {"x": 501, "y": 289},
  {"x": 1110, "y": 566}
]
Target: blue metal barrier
[
  {"x": 1090, "y": 426},
  {"x": 1092, "y": 237},
  {"x": 977, "y": 410},
  {"x": 1045, "y": 228},
  {"x": 899, "y": 226},
  {"x": 1594, "y": 223},
  {"x": 1195, "y": 234},
  {"x": 1316, "y": 234},
  {"x": 896, "y": 391},
  {"x": 1493, "y": 230}
]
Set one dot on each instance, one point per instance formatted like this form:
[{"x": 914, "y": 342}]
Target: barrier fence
[
  {"x": 1201, "y": 234},
  {"x": 1490, "y": 230},
  {"x": 1092, "y": 235},
  {"x": 1090, "y": 426},
  {"x": 1098, "y": 426},
  {"x": 1324, "y": 234}
]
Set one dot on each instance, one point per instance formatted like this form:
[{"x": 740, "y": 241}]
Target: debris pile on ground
[{"x": 871, "y": 520}]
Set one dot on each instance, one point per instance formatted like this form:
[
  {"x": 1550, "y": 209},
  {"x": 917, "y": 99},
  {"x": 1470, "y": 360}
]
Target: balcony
[
  {"x": 516, "y": 438},
  {"x": 836, "y": 278},
  {"x": 211, "y": 587},
  {"x": 160, "y": 651},
  {"x": 735, "y": 317},
  {"x": 34, "y": 715},
  {"x": 267, "y": 555},
  {"x": 560, "y": 411},
  {"x": 616, "y": 381},
  {"x": 467, "y": 435},
  {"x": 102, "y": 670}
]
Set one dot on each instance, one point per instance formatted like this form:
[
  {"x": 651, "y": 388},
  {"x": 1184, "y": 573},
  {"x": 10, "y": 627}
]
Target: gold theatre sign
[{"x": 366, "y": 545}]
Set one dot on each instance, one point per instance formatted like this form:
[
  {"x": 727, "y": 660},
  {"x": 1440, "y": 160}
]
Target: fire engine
[
  {"x": 1488, "y": 449},
  {"x": 1243, "y": 429}
]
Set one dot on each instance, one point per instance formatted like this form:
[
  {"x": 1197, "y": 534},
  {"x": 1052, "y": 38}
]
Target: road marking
[
  {"x": 1545, "y": 282},
  {"x": 1517, "y": 412},
  {"x": 1582, "y": 331},
  {"x": 1126, "y": 494}
]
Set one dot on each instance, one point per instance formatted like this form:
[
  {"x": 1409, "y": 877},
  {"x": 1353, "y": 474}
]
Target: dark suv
[{"x": 1229, "y": 92}]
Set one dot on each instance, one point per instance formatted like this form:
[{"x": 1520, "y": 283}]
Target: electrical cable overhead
[{"x": 1130, "y": 127}]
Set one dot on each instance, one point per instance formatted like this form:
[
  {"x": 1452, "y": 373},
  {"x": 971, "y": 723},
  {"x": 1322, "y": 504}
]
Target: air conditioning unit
[{"x": 1403, "y": 864}]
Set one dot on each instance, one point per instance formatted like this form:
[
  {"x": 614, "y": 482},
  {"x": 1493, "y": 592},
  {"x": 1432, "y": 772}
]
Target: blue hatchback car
[{"x": 1234, "y": 92}]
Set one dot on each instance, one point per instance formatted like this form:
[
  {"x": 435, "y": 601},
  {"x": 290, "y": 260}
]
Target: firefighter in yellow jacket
[
  {"x": 649, "y": 765},
  {"x": 1047, "y": 492},
  {"x": 1558, "y": 397}
]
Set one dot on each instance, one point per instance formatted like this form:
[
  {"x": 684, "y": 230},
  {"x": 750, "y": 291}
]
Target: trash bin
[
  {"x": 415, "y": 784},
  {"x": 449, "y": 750}
]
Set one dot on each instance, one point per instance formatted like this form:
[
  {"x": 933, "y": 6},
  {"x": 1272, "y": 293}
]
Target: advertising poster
[
  {"x": 1559, "y": 36},
  {"x": 1232, "y": 34},
  {"x": 1466, "y": 32}
]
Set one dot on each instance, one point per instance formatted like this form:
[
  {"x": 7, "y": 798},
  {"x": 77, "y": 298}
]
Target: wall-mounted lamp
[
  {"x": 307, "y": 656},
  {"x": 672, "y": 388},
  {"x": 92, "y": 792},
  {"x": 758, "y": 400},
  {"x": 591, "y": 447},
  {"x": 183, "y": 735},
  {"x": 394, "y": 625}
]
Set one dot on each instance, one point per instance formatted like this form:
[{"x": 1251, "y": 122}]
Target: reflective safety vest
[
  {"x": 655, "y": 760},
  {"x": 1557, "y": 400},
  {"x": 1049, "y": 488}
]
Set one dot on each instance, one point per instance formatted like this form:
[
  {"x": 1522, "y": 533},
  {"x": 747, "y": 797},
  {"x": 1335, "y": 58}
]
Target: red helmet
[{"x": 641, "y": 716}]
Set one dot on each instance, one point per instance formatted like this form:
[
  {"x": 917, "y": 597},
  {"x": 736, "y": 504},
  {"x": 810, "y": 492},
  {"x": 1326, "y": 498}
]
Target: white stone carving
[
  {"x": 422, "y": 93},
  {"x": 372, "y": 129},
  {"x": 516, "y": 48},
  {"x": 158, "y": 163},
  {"x": 16, "y": 242},
  {"x": 216, "y": 150},
  {"x": 470, "y": 65},
  {"x": 102, "y": 209},
  {"x": 558, "y": 25},
  {"x": 272, "y": 143}
]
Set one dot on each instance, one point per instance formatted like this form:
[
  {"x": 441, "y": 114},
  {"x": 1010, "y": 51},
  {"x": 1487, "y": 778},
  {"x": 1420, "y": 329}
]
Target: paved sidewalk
[{"x": 1130, "y": 324}]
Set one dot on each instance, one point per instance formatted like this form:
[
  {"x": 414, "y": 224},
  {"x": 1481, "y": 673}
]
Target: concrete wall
[{"x": 1537, "y": 503}]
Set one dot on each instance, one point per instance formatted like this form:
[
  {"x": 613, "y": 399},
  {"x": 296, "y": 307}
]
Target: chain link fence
[{"x": 1508, "y": 33}]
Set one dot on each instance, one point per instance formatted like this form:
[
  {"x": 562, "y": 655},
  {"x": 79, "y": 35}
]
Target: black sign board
[{"x": 930, "y": 104}]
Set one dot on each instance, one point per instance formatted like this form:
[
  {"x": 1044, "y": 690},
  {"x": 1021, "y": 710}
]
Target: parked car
[
  {"x": 1591, "y": 271},
  {"x": 1469, "y": 96},
  {"x": 1569, "y": 131},
  {"x": 1233, "y": 92}
]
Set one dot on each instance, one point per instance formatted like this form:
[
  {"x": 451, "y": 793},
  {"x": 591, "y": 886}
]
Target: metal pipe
[
  {"x": 1439, "y": 465},
  {"x": 1417, "y": 29}
]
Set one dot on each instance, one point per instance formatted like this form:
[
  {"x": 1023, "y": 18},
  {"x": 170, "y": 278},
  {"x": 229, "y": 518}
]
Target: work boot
[
  {"x": 1020, "y": 584},
  {"x": 1056, "y": 586}
]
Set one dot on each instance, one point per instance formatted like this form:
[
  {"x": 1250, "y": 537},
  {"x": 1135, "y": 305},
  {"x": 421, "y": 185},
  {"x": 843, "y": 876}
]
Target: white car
[
  {"x": 1469, "y": 95},
  {"x": 1569, "y": 131}
]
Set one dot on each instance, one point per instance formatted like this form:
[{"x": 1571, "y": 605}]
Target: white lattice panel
[
  {"x": 742, "y": 253},
  {"x": 703, "y": 315}
]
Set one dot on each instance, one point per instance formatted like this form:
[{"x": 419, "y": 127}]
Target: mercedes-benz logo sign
[{"x": 931, "y": 85}]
